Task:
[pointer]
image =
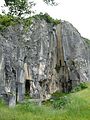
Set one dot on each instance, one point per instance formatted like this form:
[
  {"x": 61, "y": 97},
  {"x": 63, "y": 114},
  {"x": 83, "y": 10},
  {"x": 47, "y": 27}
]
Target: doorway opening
[
  {"x": 16, "y": 92},
  {"x": 27, "y": 88}
]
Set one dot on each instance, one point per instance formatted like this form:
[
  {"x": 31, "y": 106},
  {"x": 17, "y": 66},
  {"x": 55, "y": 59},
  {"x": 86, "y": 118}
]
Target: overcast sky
[{"x": 75, "y": 11}]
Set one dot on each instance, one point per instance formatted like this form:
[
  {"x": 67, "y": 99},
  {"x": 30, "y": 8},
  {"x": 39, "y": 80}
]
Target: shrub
[
  {"x": 83, "y": 85},
  {"x": 6, "y": 20},
  {"x": 87, "y": 41},
  {"x": 58, "y": 100},
  {"x": 47, "y": 18},
  {"x": 79, "y": 87},
  {"x": 61, "y": 102},
  {"x": 9, "y": 20}
]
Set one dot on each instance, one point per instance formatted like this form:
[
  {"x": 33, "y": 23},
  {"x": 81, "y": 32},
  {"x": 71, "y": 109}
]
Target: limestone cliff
[{"x": 42, "y": 60}]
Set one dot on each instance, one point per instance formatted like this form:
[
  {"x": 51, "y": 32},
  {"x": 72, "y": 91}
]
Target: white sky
[{"x": 74, "y": 11}]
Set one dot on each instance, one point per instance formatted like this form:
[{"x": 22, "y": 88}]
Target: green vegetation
[
  {"x": 5, "y": 21},
  {"x": 9, "y": 20},
  {"x": 87, "y": 41},
  {"x": 23, "y": 7},
  {"x": 77, "y": 109},
  {"x": 51, "y": 2},
  {"x": 47, "y": 18},
  {"x": 79, "y": 87},
  {"x": 18, "y": 9},
  {"x": 57, "y": 100},
  {"x": 60, "y": 100}
]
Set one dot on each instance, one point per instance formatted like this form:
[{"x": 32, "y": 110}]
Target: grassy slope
[{"x": 78, "y": 109}]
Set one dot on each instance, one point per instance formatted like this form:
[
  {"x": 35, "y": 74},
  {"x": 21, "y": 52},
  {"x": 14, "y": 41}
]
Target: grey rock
[{"x": 41, "y": 61}]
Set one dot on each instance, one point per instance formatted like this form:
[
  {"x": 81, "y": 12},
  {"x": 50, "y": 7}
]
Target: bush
[
  {"x": 6, "y": 20},
  {"x": 87, "y": 41},
  {"x": 79, "y": 87},
  {"x": 83, "y": 85},
  {"x": 47, "y": 18},
  {"x": 61, "y": 102}
]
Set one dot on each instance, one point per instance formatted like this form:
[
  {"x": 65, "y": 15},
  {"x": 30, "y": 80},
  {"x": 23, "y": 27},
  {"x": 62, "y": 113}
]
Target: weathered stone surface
[
  {"x": 42, "y": 60},
  {"x": 75, "y": 52}
]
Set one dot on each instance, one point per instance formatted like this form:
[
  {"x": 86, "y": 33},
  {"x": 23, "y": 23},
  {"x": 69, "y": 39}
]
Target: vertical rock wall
[
  {"x": 75, "y": 53},
  {"x": 40, "y": 61}
]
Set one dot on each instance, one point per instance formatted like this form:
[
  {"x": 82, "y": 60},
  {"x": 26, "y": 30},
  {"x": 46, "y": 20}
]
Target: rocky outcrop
[
  {"x": 75, "y": 53},
  {"x": 40, "y": 61}
]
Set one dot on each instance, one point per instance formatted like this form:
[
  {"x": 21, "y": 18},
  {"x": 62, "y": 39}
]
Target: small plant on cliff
[
  {"x": 5, "y": 21},
  {"x": 87, "y": 41},
  {"x": 9, "y": 20}
]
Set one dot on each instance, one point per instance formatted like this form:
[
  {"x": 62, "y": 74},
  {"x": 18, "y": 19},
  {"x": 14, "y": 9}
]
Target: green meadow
[{"x": 77, "y": 109}]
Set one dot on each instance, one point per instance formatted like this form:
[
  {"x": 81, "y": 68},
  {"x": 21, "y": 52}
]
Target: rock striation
[{"x": 41, "y": 61}]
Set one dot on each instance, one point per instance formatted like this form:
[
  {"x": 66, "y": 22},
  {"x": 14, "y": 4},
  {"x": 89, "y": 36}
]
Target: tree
[
  {"x": 23, "y": 7},
  {"x": 19, "y": 7},
  {"x": 51, "y": 2},
  {"x": 8, "y": 1}
]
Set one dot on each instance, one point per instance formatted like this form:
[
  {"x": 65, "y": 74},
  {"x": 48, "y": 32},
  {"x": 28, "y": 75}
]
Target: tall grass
[{"x": 77, "y": 109}]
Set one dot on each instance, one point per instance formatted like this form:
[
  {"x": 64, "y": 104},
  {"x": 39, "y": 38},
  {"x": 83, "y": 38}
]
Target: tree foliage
[
  {"x": 19, "y": 7},
  {"x": 51, "y": 2},
  {"x": 8, "y": 1},
  {"x": 23, "y": 7}
]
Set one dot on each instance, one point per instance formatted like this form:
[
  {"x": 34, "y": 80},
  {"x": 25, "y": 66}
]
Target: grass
[{"x": 77, "y": 109}]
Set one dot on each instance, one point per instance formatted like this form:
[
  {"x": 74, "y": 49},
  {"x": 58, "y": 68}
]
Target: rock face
[
  {"x": 75, "y": 53},
  {"x": 40, "y": 61}
]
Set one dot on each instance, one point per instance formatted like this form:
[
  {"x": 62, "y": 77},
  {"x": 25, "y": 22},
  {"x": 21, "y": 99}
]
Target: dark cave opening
[
  {"x": 16, "y": 92},
  {"x": 27, "y": 87},
  {"x": 67, "y": 86}
]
